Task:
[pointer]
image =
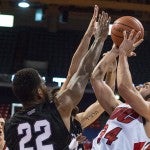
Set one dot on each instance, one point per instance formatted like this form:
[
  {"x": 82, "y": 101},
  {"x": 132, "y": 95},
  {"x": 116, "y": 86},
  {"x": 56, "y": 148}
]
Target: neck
[{"x": 31, "y": 103}]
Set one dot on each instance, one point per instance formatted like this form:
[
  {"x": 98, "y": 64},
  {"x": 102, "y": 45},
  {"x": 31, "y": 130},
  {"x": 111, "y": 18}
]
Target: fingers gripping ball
[{"x": 127, "y": 23}]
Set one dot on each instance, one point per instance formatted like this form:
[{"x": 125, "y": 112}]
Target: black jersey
[
  {"x": 38, "y": 128},
  {"x": 76, "y": 129}
]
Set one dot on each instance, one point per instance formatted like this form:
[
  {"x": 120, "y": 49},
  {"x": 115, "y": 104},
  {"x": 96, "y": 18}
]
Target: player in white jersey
[
  {"x": 128, "y": 127},
  {"x": 122, "y": 130}
]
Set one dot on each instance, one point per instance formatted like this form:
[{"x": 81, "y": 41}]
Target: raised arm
[
  {"x": 124, "y": 79},
  {"x": 111, "y": 75},
  {"x": 90, "y": 114},
  {"x": 74, "y": 91},
  {"x": 95, "y": 110},
  {"x": 82, "y": 48},
  {"x": 103, "y": 92}
]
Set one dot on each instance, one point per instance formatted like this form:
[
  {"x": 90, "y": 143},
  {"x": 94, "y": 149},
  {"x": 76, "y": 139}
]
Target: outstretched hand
[
  {"x": 92, "y": 26},
  {"x": 129, "y": 43},
  {"x": 102, "y": 26}
]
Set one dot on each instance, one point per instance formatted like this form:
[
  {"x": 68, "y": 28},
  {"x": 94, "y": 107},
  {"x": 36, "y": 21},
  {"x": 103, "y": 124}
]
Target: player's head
[
  {"x": 2, "y": 123},
  {"x": 144, "y": 90},
  {"x": 28, "y": 86}
]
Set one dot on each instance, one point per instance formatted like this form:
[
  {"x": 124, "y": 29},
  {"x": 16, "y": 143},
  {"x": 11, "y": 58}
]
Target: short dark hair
[{"x": 25, "y": 83}]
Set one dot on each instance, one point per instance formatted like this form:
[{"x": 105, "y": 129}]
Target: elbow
[{"x": 97, "y": 74}]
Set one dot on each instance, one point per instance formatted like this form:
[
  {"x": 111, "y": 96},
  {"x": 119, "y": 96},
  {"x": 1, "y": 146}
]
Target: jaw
[{"x": 147, "y": 98}]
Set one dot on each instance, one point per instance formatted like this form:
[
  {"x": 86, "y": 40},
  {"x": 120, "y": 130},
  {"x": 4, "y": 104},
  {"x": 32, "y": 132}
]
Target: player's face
[
  {"x": 145, "y": 89},
  {"x": 2, "y": 122},
  {"x": 138, "y": 87}
]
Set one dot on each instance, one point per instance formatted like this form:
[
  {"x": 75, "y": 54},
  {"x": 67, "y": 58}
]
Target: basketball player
[
  {"x": 80, "y": 120},
  {"x": 2, "y": 141},
  {"x": 82, "y": 48},
  {"x": 139, "y": 101},
  {"x": 83, "y": 119},
  {"x": 126, "y": 129},
  {"x": 43, "y": 123}
]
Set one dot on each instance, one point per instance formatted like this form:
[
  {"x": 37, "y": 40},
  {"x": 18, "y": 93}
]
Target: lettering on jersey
[
  {"x": 25, "y": 130},
  {"x": 110, "y": 136},
  {"x": 138, "y": 146},
  {"x": 31, "y": 112},
  {"x": 124, "y": 115},
  {"x": 103, "y": 131}
]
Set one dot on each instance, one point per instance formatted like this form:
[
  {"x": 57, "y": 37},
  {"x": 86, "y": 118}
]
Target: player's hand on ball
[{"x": 128, "y": 45}]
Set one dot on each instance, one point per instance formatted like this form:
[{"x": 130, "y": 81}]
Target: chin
[{"x": 147, "y": 97}]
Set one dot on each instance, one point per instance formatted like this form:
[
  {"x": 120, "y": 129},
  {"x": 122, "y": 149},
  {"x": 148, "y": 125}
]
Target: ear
[{"x": 40, "y": 92}]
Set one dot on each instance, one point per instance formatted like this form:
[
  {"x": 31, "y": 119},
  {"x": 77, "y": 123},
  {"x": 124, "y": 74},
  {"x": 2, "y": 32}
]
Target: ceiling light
[{"x": 23, "y": 4}]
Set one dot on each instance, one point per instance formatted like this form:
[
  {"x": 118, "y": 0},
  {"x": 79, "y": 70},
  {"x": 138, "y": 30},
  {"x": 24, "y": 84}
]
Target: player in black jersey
[
  {"x": 44, "y": 123},
  {"x": 84, "y": 119}
]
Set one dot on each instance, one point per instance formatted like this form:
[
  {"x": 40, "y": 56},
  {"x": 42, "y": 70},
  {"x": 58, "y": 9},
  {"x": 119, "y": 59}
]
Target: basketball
[{"x": 127, "y": 23}]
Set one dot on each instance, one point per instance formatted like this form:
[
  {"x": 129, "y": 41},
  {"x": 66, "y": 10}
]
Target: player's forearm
[
  {"x": 83, "y": 46},
  {"x": 96, "y": 50},
  {"x": 124, "y": 79},
  {"x": 111, "y": 79},
  {"x": 80, "y": 52},
  {"x": 76, "y": 87},
  {"x": 91, "y": 114},
  {"x": 91, "y": 58},
  {"x": 104, "y": 95},
  {"x": 102, "y": 67},
  {"x": 110, "y": 57},
  {"x": 77, "y": 57},
  {"x": 78, "y": 82}
]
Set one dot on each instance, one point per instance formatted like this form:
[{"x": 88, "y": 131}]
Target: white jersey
[{"x": 123, "y": 131}]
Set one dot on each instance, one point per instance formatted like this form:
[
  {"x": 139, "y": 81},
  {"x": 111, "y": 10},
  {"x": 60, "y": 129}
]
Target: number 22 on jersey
[{"x": 39, "y": 139}]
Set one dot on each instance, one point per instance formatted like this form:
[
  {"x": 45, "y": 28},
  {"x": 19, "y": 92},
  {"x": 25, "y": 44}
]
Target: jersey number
[
  {"x": 110, "y": 136},
  {"x": 28, "y": 135}
]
